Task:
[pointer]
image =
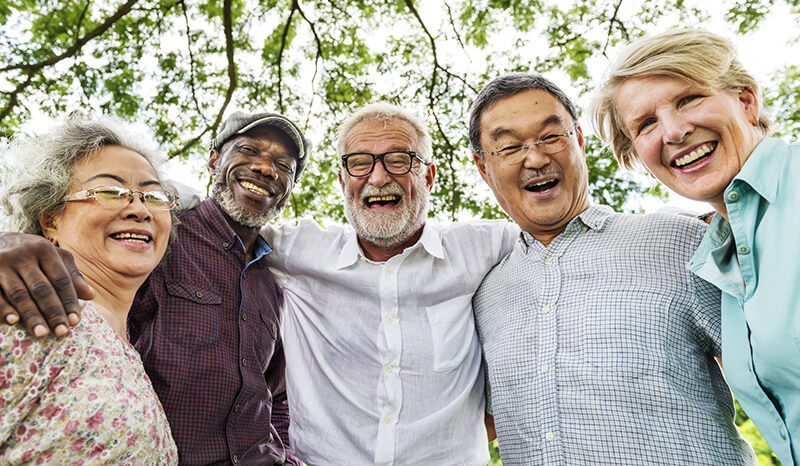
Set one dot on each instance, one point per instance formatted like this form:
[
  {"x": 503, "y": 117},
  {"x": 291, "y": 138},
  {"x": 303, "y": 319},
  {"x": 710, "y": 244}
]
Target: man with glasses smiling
[
  {"x": 383, "y": 363},
  {"x": 599, "y": 343}
]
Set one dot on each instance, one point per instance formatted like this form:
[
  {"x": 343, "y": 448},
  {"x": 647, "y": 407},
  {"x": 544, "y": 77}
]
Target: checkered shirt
[
  {"x": 206, "y": 325},
  {"x": 599, "y": 348}
]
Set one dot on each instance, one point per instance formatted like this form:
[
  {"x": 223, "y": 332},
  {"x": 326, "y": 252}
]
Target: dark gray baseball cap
[{"x": 241, "y": 122}]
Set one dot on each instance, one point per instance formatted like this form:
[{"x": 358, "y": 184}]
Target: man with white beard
[{"x": 383, "y": 362}]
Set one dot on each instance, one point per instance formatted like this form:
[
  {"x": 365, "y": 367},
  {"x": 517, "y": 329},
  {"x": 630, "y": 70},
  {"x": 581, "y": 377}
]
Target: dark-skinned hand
[{"x": 39, "y": 284}]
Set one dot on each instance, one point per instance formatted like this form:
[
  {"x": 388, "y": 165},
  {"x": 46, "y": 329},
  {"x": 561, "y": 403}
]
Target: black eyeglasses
[
  {"x": 396, "y": 162},
  {"x": 116, "y": 197}
]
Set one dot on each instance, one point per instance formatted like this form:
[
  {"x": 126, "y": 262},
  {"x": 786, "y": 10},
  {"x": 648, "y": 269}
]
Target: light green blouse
[{"x": 755, "y": 261}]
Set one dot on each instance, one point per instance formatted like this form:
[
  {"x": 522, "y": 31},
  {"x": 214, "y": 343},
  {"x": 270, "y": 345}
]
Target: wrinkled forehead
[{"x": 381, "y": 135}]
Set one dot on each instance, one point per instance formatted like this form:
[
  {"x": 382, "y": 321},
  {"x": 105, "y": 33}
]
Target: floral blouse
[{"x": 81, "y": 399}]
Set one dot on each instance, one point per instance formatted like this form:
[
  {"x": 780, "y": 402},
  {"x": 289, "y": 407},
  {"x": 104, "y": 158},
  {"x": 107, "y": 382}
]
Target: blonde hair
[{"x": 699, "y": 57}]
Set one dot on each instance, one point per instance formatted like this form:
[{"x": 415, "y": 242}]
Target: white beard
[
  {"x": 223, "y": 194},
  {"x": 390, "y": 228}
]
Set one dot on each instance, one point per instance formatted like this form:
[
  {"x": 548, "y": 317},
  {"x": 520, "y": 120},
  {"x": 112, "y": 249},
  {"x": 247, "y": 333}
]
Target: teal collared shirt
[{"x": 755, "y": 260}]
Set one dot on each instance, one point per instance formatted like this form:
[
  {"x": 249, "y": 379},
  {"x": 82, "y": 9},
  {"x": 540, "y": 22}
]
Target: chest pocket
[
  {"x": 452, "y": 332},
  {"x": 192, "y": 315},
  {"x": 626, "y": 331},
  {"x": 264, "y": 341}
]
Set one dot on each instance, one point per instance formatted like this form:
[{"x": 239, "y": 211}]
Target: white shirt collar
[{"x": 431, "y": 240}]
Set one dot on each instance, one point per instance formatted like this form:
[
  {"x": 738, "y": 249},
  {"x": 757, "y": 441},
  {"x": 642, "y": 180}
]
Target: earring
[{"x": 52, "y": 240}]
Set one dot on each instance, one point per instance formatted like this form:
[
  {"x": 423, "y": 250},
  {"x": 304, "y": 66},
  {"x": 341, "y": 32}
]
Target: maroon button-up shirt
[{"x": 206, "y": 325}]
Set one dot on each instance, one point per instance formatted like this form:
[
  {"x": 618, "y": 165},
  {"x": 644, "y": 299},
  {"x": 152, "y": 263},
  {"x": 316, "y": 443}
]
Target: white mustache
[{"x": 391, "y": 188}]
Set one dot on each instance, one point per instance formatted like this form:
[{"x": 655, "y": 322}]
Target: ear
[
  {"x": 750, "y": 104},
  {"x": 213, "y": 160},
  {"x": 49, "y": 224},
  {"x": 430, "y": 175},
  {"x": 341, "y": 180},
  {"x": 581, "y": 141},
  {"x": 481, "y": 165}
]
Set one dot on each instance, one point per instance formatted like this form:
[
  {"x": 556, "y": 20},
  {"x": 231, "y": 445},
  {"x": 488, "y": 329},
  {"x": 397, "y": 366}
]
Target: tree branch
[
  {"x": 317, "y": 58},
  {"x": 191, "y": 59},
  {"x": 432, "y": 106},
  {"x": 455, "y": 30},
  {"x": 80, "y": 20},
  {"x": 75, "y": 48},
  {"x": 13, "y": 96},
  {"x": 279, "y": 61},
  {"x": 227, "y": 21},
  {"x": 611, "y": 22}
]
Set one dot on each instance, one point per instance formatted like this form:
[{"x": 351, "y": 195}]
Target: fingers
[
  {"x": 36, "y": 281},
  {"x": 16, "y": 296},
  {"x": 69, "y": 287}
]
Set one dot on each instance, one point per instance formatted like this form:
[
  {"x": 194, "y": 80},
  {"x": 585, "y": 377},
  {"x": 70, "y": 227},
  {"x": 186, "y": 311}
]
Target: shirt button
[
  {"x": 199, "y": 294},
  {"x": 389, "y": 270},
  {"x": 549, "y": 436},
  {"x": 733, "y": 196},
  {"x": 244, "y": 361},
  {"x": 235, "y": 459},
  {"x": 244, "y": 316},
  {"x": 545, "y": 309},
  {"x": 237, "y": 407},
  {"x": 389, "y": 319},
  {"x": 548, "y": 261},
  {"x": 274, "y": 329},
  {"x": 388, "y": 368},
  {"x": 226, "y": 245},
  {"x": 545, "y": 369},
  {"x": 387, "y": 420},
  {"x": 585, "y": 229},
  {"x": 743, "y": 249},
  {"x": 783, "y": 433}
]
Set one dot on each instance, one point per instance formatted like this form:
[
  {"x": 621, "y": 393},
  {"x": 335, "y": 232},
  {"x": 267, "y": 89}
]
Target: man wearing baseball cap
[{"x": 206, "y": 321}]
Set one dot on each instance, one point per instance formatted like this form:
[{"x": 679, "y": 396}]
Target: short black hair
[{"x": 508, "y": 85}]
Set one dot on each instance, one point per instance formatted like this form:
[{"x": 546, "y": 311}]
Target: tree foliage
[{"x": 182, "y": 66}]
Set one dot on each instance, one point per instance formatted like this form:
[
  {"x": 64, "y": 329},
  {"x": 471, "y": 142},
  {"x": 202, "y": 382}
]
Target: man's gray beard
[
  {"x": 223, "y": 194},
  {"x": 393, "y": 227}
]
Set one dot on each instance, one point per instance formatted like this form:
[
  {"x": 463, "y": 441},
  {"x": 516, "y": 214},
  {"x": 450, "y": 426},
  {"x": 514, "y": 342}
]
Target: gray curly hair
[{"x": 42, "y": 178}]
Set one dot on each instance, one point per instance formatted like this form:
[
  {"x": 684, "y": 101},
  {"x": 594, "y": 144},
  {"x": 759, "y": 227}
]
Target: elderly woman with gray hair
[
  {"x": 91, "y": 188},
  {"x": 681, "y": 104}
]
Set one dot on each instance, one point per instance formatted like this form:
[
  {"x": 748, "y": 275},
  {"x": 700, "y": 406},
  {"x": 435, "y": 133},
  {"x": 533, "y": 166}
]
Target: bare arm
[
  {"x": 39, "y": 284},
  {"x": 488, "y": 420}
]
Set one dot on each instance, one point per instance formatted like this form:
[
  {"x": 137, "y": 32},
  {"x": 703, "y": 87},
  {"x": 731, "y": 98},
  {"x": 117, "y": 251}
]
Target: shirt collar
[
  {"x": 215, "y": 221},
  {"x": 758, "y": 170},
  {"x": 431, "y": 241},
  {"x": 593, "y": 218}
]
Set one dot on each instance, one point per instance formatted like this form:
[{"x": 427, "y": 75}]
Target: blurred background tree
[{"x": 180, "y": 67}]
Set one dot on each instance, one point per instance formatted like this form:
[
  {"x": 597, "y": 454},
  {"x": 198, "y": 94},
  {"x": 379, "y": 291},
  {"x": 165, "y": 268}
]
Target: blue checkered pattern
[{"x": 599, "y": 348}]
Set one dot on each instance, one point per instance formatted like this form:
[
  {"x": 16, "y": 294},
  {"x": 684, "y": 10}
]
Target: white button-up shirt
[{"x": 383, "y": 362}]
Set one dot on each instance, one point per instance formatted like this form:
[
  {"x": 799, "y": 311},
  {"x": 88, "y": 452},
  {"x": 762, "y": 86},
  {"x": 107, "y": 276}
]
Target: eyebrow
[
  {"x": 119, "y": 179},
  {"x": 550, "y": 120}
]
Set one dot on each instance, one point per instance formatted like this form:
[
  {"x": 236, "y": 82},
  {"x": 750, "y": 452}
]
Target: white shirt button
[
  {"x": 388, "y": 368},
  {"x": 783, "y": 433},
  {"x": 744, "y": 250},
  {"x": 389, "y": 319},
  {"x": 548, "y": 261},
  {"x": 545, "y": 309},
  {"x": 733, "y": 196},
  {"x": 549, "y": 436},
  {"x": 545, "y": 368},
  {"x": 389, "y": 270},
  {"x": 585, "y": 229},
  {"x": 387, "y": 420}
]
